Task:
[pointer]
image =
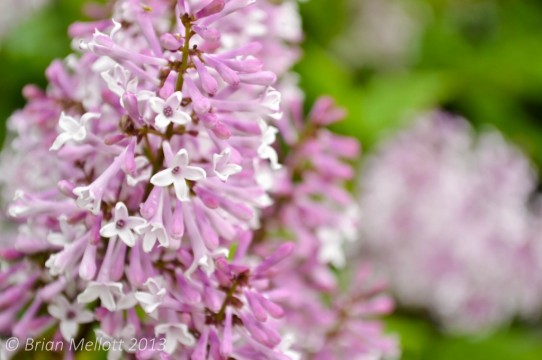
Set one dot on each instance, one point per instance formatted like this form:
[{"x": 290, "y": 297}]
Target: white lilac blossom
[
  {"x": 222, "y": 167},
  {"x": 177, "y": 174},
  {"x": 122, "y": 225},
  {"x": 150, "y": 300},
  {"x": 69, "y": 315},
  {"x": 151, "y": 141},
  {"x": 169, "y": 111},
  {"x": 447, "y": 219},
  {"x": 72, "y": 130}
]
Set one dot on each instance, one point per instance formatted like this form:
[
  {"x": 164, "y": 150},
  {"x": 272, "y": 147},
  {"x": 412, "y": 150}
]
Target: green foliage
[
  {"x": 29, "y": 48},
  {"x": 421, "y": 340},
  {"x": 476, "y": 58}
]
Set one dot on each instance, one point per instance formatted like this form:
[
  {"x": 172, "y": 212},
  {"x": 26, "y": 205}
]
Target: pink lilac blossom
[
  {"x": 447, "y": 219},
  {"x": 142, "y": 191},
  {"x": 312, "y": 206}
]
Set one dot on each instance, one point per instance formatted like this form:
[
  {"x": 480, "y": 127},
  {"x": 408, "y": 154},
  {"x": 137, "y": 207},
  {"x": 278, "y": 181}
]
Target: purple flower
[
  {"x": 166, "y": 202},
  {"x": 447, "y": 219}
]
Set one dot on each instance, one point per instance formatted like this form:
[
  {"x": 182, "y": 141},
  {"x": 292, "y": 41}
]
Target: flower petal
[
  {"x": 174, "y": 100},
  {"x": 84, "y": 316},
  {"x": 194, "y": 173},
  {"x": 157, "y": 104},
  {"x": 135, "y": 221},
  {"x": 162, "y": 121},
  {"x": 180, "y": 159},
  {"x": 121, "y": 211},
  {"x": 60, "y": 140},
  {"x": 128, "y": 237},
  {"x": 68, "y": 328},
  {"x": 109, "y": 230},
  {"x": 89, "y": 295},
  {"x": 107, "y": 300},
  {"x": 148, "y": 241},
  {"x": 180, "y": 118},
  {"x": 57, "y": 310},
  {"x": 181, "y": 190},
  {"x": 163, "y": 178}
]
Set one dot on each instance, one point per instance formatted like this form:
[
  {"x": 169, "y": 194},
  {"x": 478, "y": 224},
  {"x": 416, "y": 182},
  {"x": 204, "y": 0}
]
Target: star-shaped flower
[
  {"x": 68, "y": 233},
  {"x": 177, "y": 174},
  {"x": 153, "y": 297},
  {"x": 72, "y": 129},
  {"x": 70, "y": 316},
  {"x": 142, "y": 171},
  {"x": 265, "y": 150},
  {"x": 89, "y": 198},
  {"x": 109, "y": 294},
  {"x": 122, "y": 225},
  {"x": 222, "y": 167},
  {"x": 118, "y": 80},
  {"x": 175, "y": 334},
  {"x": 169, "y": 111},
  {"x": 271, "y": 102},
  {"x": 153, "y": 231},
  {"x": 122, "y": 336}
]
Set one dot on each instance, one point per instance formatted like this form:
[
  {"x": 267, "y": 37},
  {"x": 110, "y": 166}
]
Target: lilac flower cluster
[
  {"x": 312, "y": 206},
  {"x": 142, "y": 182},
  {"x": 447, "y": 219}
]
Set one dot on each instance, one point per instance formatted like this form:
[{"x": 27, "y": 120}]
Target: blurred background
[{"x": 386, "y": 61}]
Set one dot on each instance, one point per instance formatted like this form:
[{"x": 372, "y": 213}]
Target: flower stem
[
  {"x": 158, "y": 162},
  {"x": 186, "y": 51},
  {"x": 222, "y": 312}
]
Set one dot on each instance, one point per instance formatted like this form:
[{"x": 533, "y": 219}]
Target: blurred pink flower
[{"x": 447, "y": 219}]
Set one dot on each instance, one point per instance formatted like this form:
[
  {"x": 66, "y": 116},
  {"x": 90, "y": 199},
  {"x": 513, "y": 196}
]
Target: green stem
[
  {"x": 158, "y": 162},
  {"x": 186, "y": 52},
  {"x": 222, "y": 312}
]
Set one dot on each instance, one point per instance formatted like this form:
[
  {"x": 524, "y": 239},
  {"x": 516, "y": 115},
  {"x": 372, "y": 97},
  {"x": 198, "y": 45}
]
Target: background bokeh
[{"x": 385, "y": 61}]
